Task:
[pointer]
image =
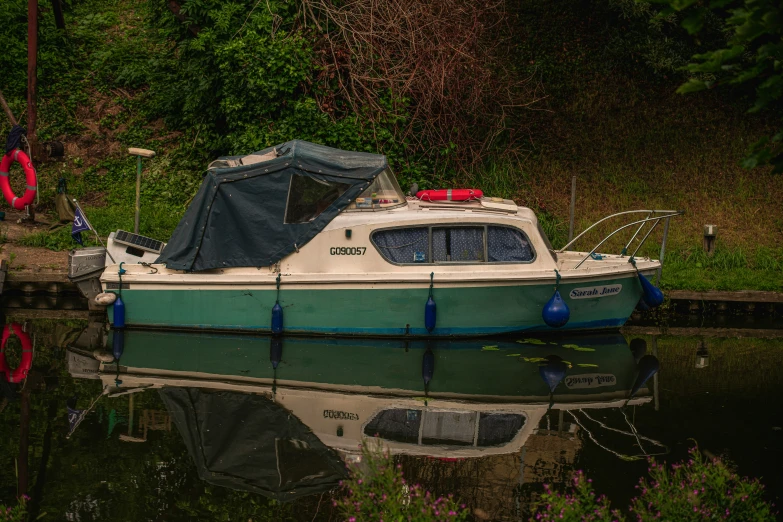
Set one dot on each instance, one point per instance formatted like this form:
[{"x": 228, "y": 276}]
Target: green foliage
[
  {"x": 17, "y": 513},
  {"x": 376, "y": 490},
  {"x": 750, "y": 58},
  {"x": 694, "y": 490},
  {"x": 699, "y": 490},
  {"x": 580, "y": 504}
]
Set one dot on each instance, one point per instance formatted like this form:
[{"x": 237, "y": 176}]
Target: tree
[{"x": 751, "y": 58}]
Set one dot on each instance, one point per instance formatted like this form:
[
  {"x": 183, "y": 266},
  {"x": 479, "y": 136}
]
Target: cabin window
[
  {"x": 445, "y": 428},
  {"x": 403, "y": 245},
  {"x": 448, "y": 428},
  {"x": 455, "y": 244},
  {"x": 498, "y": 428},
  {"x": 458, "y": 244},
  {"x": 397, "y": 425},
  {"x": 508, "y": 245},
  {"x": 308, "y": 197}
]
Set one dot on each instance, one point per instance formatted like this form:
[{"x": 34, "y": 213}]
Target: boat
[
  {"x": 473, "y": 400},
  {"x": 309, "y": 240}
]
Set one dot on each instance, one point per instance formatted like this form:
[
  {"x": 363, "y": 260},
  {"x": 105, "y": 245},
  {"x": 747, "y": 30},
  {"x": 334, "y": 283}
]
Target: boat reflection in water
[{"x": 230, "y": 397}]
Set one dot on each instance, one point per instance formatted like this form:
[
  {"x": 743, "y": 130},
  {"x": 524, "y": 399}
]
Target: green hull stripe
[{"x": 462, "y": 311}]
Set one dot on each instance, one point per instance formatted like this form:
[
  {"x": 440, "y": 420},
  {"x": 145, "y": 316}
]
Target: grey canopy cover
[
  {"x": 237, "y": 218},
  {"x": 248, "y": 442}
]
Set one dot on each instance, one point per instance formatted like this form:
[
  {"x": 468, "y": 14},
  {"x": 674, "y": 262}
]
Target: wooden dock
[{"x": 743, "y": 296}]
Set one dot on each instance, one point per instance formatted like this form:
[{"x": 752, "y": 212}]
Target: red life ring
[
  {"x": 29, "y": 176},
  {"x": 450, "y": 195},
  {"x": 18, "y": 374}
]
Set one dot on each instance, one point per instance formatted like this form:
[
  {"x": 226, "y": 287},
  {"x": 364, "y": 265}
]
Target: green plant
[
  {"x": 15, "y": 513},
  {"x": 376, "y": 490},
  {"x": 699, "y": 489},
  {"x": 695, "y": 490},
  {"x": 750, "y": 57},
  {"x": 580, "y": 504}
]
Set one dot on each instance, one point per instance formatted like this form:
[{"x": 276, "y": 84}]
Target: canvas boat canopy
[
  {"x": 247, "y": 442},
  {"x": 254, "y": 210}
]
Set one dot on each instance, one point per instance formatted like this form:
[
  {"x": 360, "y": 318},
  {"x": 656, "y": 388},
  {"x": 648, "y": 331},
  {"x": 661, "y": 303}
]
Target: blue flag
[
  {"x": 79, "y": 225},
  {"x": 74, "y": 418}
]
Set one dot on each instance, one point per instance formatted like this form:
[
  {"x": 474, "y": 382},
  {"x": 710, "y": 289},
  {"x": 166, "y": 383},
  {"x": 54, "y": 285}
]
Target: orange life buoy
[
  {"x": 29, "y": 176},
  {"x": 18, "y": 374},
  {"x": 450, "y": 195}
]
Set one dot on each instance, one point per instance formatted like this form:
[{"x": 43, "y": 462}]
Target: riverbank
[{"x": 631, "y": 142}]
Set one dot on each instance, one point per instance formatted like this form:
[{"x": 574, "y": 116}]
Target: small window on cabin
[
  {"x": 508, "y": 245},
  {"x": 498, "y": 428},
  {"x": 308, "y": 197},
  {"x": 447, "y": 428},
  {"x": 403, "y": 245},
  {"x": 399, "y": 425},
  {"x": 458, "y": 244}
]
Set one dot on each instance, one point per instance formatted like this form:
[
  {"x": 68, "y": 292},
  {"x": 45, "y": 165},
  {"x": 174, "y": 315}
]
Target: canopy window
[
  {"x": 309, "y": 197},
  {"x": 382, "y": 194}
]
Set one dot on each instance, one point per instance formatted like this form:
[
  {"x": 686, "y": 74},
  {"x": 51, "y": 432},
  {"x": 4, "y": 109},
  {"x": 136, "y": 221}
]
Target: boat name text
[
  {"x": 590, "y": 380},
  {"x": 340, "y": 415},
  {"x": 595, "y": 291},
  {"x": 347, "y": 251}
]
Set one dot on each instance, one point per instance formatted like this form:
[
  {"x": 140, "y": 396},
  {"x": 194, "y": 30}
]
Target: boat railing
[{"x": 654, "y": 218}]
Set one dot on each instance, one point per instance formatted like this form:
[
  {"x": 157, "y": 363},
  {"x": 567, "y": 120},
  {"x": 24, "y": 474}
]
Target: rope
[
  {"x": 557, "y": 279},
  {"x": 634, "y": 434},
  {"x": 84, "y": 414},
  {"x": 119, "y": 274},
  {"x": 615, "y": 453},
  {"x": 149, "y": 265},
  {"x": 278, "y": 289},
  {"x": 432, "y": 282}
]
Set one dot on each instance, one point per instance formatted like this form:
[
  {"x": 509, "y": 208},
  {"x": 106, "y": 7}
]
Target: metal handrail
[
  {"x": 656, "y": 218},
  {"x": 677, "y": 212}
]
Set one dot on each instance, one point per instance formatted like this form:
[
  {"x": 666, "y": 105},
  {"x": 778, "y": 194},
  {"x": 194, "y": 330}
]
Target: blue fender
[
  {"x": 652, "y": 296},
  {"x": 556, "y": 312},
  {"x": 647, "y": 366}
]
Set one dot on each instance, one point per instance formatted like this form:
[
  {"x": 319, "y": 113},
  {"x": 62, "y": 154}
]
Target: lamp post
[{"x": 139, "y": 153}]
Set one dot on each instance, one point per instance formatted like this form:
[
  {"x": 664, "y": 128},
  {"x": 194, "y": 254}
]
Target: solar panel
[{"x": 142, "y": 242}]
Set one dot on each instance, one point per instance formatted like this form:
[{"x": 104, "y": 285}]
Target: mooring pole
[
  {"x": 32, "y": 74},
  {"x": 573, "y": 205},
  {"x": 139, "y": 153},
  {"x": 656, "y": 402},
  {"x": 663, "y": 249}
]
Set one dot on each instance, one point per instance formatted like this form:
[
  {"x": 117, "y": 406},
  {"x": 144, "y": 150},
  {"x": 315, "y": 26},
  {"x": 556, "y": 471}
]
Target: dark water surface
[{"x": 203, "y": 427}]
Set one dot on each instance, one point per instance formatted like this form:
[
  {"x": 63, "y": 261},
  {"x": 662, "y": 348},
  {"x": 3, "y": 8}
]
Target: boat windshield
[{"x": 383, "y": 193}]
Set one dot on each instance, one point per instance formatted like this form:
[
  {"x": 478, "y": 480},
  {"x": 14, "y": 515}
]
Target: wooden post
[
  {"x": 573, "y": 205},
  {"x": 23, "y": 477},
  {"x": 59, "y": 20},
  {"x": 32, "y": 75},
  {"x": 656, "y": 402}
]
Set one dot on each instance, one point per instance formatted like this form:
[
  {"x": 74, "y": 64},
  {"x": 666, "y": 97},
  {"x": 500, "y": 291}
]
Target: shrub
[
  {"x": 17, "y": 513},
  {"x": 699, "y": 490},
  {"x": 696, "y": 490},
  {"x": 580, "y": 504},
  {"x": 376, "y": 490}
]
